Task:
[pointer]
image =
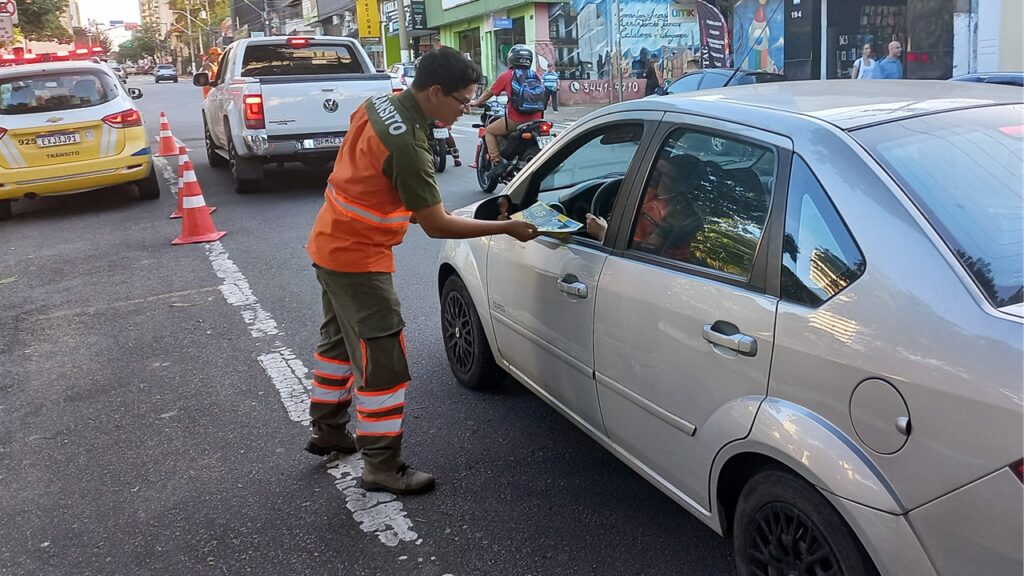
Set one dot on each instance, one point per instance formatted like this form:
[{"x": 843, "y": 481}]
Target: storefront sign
[
  {"x": 576, "y": 92},
  {"x": 502, "y": 23},
  {"x": 715, "y": 51},
  {"x": 449, "y": 4},
  {"x": 368, "y": 13},
  {"x": 416, "y": 15}
]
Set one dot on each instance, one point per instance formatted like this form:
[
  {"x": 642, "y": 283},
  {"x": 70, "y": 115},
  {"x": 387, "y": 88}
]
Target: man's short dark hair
[{"x": 446, "y": 68}]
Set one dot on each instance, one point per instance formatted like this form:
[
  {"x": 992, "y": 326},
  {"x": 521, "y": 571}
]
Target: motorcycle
[
  {"x": 437, "y": 139},
  {"x": 517, "y": 149}
]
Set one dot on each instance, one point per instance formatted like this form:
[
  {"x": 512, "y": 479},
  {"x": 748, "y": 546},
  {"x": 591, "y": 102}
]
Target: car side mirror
[
  {"x": 201, "y": 79},
  {"x": 135, "y": 93},
  {"x": 494, "y": 207}
]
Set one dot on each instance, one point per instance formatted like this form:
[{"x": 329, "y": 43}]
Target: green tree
[
  {"x": 144, "y": 43},
  {"x": 39, "y": 20}
]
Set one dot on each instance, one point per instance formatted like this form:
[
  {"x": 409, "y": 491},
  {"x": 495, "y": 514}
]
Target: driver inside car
[{"x": 668, "y": 219}]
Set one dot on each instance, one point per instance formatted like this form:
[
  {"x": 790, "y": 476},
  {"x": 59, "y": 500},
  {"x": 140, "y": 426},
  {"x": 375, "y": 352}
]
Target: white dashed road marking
[{"x": 379, "y": 513}]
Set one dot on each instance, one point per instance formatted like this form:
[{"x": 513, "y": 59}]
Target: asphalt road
[{"x": 151, "y": 414}]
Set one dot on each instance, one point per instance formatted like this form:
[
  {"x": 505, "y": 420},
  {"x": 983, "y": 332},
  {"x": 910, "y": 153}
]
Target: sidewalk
[{"x": 570, "y": 114}]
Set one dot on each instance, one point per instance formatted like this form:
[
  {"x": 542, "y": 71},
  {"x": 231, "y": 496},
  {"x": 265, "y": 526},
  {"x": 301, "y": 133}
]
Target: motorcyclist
[{"x": 520, "y": 62}]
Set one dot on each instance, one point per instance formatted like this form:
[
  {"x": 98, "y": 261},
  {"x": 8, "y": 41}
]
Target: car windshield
[
  {"x": 286, "y": 60},
  {"x": 963, "y": 169},
  {"x": 55, "y": 91},
  {"x": 410, "y": 71}
]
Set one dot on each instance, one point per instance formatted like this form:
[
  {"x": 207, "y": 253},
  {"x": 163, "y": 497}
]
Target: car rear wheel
[
  {"x": 243, "y": 184},
  {"x": 5, "y": 209},
  {"x": 149, "y": 187},
  {"x": 212, "y": 156},
  {"x": 783, "y": 525},
  {"x": 469, "y": 354}
]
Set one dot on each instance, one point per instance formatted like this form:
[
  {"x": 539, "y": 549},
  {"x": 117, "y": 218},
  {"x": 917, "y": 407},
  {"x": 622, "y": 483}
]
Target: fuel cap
[{"x": 880, "y": 416}]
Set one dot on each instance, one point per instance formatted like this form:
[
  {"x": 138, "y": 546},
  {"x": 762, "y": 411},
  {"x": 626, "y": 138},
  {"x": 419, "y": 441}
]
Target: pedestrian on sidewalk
[
  {"x": 890, "y": 68},
  {"x": 653, "y": 75},
  {"x": 383, "y": 180},
  {"x": 550, "y": 79},
  {"x": 864, "y": 67}
]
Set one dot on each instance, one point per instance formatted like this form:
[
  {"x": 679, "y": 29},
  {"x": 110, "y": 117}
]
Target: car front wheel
[
  {"x": 783, "y": 525},
  {"x": 469, "y": 354}
]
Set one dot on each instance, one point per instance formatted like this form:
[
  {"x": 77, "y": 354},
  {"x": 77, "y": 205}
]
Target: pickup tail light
[
  {"x": 397, "y": 90},
  {"x": 545, "y": 128},
  {"x": 253, "y": 104},
  {"x": 125, "y": 119},
  {"x": 1017, "y": 467},
  {"x": 2, "y": 132}
]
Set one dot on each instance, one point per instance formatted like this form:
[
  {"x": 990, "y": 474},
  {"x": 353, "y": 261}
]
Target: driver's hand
[
  {"x": 521, "y": 230},
  {"x": 597, "y": 227}
]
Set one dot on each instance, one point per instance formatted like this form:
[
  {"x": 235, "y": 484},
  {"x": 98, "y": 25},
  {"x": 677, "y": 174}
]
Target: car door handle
[
  {"x": 727, "y": 336},
  {"x": 572, "y": 286}
]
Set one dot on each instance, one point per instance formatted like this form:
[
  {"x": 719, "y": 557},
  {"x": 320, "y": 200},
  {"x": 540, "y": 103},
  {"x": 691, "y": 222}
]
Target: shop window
[
  {"x": 563, "y": 30},
  {"x": 505, "y": 39}
]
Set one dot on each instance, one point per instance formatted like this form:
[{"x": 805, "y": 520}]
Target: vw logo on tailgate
[{"x": 331, "y": 105}]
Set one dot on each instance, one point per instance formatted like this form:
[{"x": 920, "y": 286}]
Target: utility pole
[{"x": 403, "y": 33}]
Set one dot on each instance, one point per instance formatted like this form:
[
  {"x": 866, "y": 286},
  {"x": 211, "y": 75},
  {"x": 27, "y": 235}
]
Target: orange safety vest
[{"x": 364, "y": 215}]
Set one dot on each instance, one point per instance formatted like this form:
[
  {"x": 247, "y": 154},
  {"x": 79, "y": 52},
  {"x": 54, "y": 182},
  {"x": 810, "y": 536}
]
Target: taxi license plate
[
  {"x": 441, "y": 133},
  {"x": 544, "y": 141},
  {"x": 47, "y": 140},
  {"x": 322, "y": 142}
]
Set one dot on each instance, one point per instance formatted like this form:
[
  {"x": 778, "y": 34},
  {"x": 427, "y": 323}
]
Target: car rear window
[
  {"x": 55, "y": 91},
  {"x": 965, "y": 171},
  {"x": 285, "y": 60}
]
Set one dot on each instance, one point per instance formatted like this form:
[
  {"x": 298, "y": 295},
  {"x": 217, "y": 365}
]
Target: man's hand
[
  {"x": 597, "y": 227},
  {"x": 521, "y": 230}
]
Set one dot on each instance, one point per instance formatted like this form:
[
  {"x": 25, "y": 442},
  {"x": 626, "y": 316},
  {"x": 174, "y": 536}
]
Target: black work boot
[
  {"x": 345, "y": 445},
  {"x": 401, "y": 480}
]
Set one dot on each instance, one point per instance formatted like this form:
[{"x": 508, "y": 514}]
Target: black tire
[
  {"x": 175, "y": 80},
  {"x": 149, "y": 187},
  {"x": 469, "y": 354},
  {"x": 242, "y": 185},
  {"x": 782, "y": 523},
  {"x": 212, "y": 156},
  {"x": 483, "y": 169},
  {"x": 440, "y": 156},
  {"x": 6, "y": 211},
  {"x": 155, "y": 81}
]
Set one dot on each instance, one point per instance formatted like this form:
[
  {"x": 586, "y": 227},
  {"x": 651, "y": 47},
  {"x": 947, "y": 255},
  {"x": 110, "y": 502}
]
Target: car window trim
[
  {"x": 764, "y": 277},
  {"x": 650, "y": 120}
]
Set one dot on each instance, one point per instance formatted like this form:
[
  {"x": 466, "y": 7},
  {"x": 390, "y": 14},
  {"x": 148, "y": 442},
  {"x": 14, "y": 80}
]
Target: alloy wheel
[
  {"x": 785, "y": 543},
  {"x": 458, "y": 333}
]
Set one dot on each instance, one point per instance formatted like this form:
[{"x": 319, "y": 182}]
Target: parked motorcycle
[
  {"x": 437, "y": 139},
  {"x": 517, "y": 149}
]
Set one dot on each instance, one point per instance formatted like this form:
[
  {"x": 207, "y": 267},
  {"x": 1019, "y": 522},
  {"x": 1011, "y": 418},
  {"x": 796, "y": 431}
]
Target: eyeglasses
[{"x": 465, "y": 103}]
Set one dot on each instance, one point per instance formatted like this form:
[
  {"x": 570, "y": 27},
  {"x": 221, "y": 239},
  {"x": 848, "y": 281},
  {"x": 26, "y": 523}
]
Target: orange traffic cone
[
  {"x": 182, "y": 158},
  {"x": 196, "y": 224},
  {"x": 168, "y": 147}
]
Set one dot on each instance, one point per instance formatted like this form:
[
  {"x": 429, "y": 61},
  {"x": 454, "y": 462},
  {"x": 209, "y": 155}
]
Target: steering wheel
[{"x": 604, "y": 198}]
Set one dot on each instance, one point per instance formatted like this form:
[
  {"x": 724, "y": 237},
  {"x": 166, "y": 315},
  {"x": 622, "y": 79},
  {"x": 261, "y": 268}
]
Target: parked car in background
[
  {"x": 129, "y": 69},
  {"x": 401, "y": 76},
  {"x": 284, "y": 99},
  {"x": 717, "y": 77},
  {"x": 144, "y": 69},
  {"x": 120, "y": 72},
  {"x": 69, "y": 127},
  {"x": 803, "y": 320},
  {"x": 1005, "y": 78},
  {"x": 165, "y": 72}
]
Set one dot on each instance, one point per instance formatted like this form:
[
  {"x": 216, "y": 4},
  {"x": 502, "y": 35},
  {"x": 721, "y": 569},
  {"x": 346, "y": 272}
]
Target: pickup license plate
[
  {"x": 47, "y": 140},
  {"x": 441, "y": 133},
  {"x": 544, "y": 141},
  {"x": 329, "y": 142}
]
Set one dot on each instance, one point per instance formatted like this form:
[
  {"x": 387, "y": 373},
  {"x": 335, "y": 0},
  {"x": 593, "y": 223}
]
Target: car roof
[
  {"x": 848, "y": 104},
  {"x": 75, "y": 66}
]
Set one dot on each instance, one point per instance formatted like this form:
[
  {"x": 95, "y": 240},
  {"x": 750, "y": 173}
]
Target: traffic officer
[
  {"x": 383, "y": 180},
  {"x": 210, "y": 67}
]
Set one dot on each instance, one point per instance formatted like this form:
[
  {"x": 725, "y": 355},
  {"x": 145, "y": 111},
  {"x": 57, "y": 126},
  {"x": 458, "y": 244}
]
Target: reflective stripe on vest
[
  {"x": 331, "y": 369},
  {"x": 384, "y": 426},
  {"x": 370, "y": 402},
  {"x": 398, "y": 219},
  {"x": 325, "y": 394}
]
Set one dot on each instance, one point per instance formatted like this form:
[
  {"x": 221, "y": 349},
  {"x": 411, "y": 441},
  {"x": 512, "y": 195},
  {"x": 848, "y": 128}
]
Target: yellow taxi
[{"x": 69, "y": 127}]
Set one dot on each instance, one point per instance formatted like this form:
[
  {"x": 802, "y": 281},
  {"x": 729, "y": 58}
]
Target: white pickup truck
[{"x": 284, "y": 99}]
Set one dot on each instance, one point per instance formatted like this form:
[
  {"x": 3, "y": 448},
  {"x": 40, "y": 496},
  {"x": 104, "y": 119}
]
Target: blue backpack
[{"x": 527, "y": 91}]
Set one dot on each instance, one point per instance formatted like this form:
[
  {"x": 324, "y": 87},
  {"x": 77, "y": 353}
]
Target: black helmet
[{"x": 520, "y": 56}]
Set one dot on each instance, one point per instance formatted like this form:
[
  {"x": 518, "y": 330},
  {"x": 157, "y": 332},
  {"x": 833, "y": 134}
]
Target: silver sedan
[{"x": 798, "y": 310}]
